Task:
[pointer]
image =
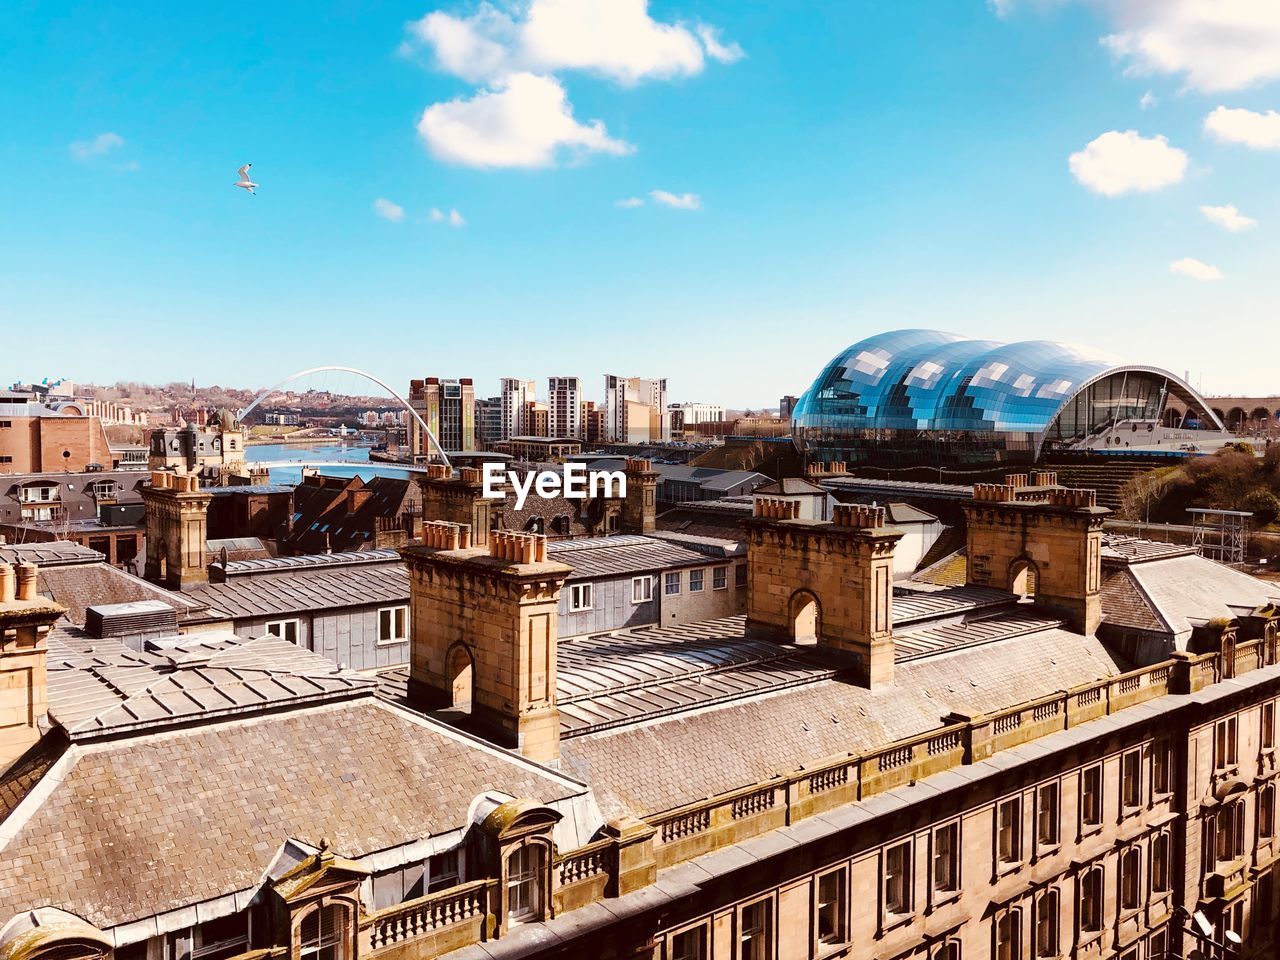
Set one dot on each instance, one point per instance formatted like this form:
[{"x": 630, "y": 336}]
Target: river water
[{"x": 322, "y": 451}]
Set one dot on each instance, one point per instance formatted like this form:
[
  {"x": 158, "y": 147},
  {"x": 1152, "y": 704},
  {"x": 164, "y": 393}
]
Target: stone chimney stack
[
  {"x": 177, "y": 528},
  {"x": 829, "y": 582},
  {"x": 483, "y": 635},
  {"x": 640, "y": 508},
  {"x": 1030, "y": 536},
  {"x": 25, "y": 621},
  {"x": 456, "y": 499}
]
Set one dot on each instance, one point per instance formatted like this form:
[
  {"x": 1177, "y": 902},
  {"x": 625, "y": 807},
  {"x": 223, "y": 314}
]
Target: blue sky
[{"x": 829, "y": 170}]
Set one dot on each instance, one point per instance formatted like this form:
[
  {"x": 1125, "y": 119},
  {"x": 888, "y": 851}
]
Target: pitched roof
[
  {"x": 81, "y": 586},
  {"x": 1185, "y": 587},
  {"x": 280, "y": 590},
  {"x": 599, "y": 558},
  {"x": 99, "y": 687},
  {"x": 1125, "y": 605},
  {"x": 651, "y": 767},
  {"x": 132, "y": 828}
]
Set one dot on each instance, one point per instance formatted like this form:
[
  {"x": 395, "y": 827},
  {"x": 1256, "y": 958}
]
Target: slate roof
[
  {"x": 139, "y": 826},
  {"x": 1186, "y": 587},
  {"x": 281, "y": 590},
  {"x": 98, "y": 687},
  {"x": 599, "y": 558},
  {"x": 651, "y": 767},
  {"x": 80, "y": 586},
  {"x": 1125, "y": 605},
  {"x": 914, "y": 602},
  {"x": 323, "y": 522},
  {"x": 56, "y": 552}
]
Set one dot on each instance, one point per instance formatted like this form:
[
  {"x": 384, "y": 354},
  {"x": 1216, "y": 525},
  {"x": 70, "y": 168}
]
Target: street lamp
[{"x": 1197, "y": 926}]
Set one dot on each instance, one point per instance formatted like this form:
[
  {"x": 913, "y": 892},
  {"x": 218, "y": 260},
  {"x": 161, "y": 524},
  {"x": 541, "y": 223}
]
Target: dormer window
[
  {"x": 39, "y": 493},
  {"x": 323, "y": 935},
  {"x": 524, "y": 883}
]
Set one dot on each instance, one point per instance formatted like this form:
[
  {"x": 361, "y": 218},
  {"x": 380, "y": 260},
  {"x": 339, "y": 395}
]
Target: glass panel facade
[{"x": 911, "y": 397}]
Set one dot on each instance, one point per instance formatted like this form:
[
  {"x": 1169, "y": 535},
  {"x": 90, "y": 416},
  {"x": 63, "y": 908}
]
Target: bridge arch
[{"x": 360, "y": 373}]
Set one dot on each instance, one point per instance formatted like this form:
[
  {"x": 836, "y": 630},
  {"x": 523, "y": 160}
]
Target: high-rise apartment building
[
  {"x": 786, "y": 406},
  {"x": 595, "y": 422},
  {"x": 637, "y": 409},
  {"x": 564, "y": 399},
  {"x": 448, "y": 407},
  {"x": 516, "y": 395},
  {"x": 488, "y": 422}
]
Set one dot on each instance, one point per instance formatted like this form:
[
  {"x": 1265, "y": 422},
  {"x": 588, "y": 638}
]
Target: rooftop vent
[{"x": 150, "y": 617}]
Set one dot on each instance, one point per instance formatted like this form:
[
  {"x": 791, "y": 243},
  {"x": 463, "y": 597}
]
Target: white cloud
[
  {"x": 103, "y": 143},
  {"x": 616, "y": 38},
  {"x": 524, "y": 121},
  {"x": 680, "y": 201},
  {"x": 629, "y": 203},
  {"x": 1117, "y": 163},
  {"x": 1228, "y": 217},
  {"x": 436, "y": 215},
  {"x": 388, "y": 210},
  {"x": 1261, "y": 131},
  {"x": 475, "y": 48},
  {"x": 1193, "y": 268},
  {"x": 455, "y": 219},
  {"x": 1148, "y": 101},
  {"x": 1214, "y": 44},
  {"x": 724, "y": 53}
]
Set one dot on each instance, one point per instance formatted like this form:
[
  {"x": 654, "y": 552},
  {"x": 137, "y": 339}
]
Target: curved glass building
[{"x": 911, "y": 397}]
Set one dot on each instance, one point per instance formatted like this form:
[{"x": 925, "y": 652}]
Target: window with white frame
[
  {"x": 580, "y": 597},
  {"x": 324, "y": 934},
  {"x": 393, "y": 624},
  {"x": 285, "y": 629},
  {"x": 897, "y": 879},
  {"x": 719, "y": 578},
  {"x": 525, "y": 883},
  {"x": 755, "y": 931},
  {"x": 39, "y": 493},
  {"x": 671, "y": 583},
  {"x": 641, "y": 589},
  {"x": 696, "y": 580}
]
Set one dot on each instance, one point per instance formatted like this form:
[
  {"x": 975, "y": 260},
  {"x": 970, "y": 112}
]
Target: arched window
[
  {"x": 1160, "y": 864},
  {"x": 1091, "y": 900},
  {"x": 1047, "y": 923},
  {"x": 1130, "y": 879},
  {"x": 1023, "y": 578},
  {"x": 806, "y": 617},
  {"x": 324, "y": 934},
  {"x": 1230, "y": 840},
  {"x": 525, "y": 883}
]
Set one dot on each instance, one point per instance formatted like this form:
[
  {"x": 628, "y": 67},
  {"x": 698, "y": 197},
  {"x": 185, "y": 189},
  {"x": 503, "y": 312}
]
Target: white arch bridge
[
  {"x": 265, "y": 394},
  {"x": 353, "y": 464}
]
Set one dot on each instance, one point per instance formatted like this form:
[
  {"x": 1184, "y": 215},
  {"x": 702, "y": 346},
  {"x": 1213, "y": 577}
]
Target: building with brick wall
[
  {"x": 37, "y": 438},
  {"x": 854, "y": 768}
]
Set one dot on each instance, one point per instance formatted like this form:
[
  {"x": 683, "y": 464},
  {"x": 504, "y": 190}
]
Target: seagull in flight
[{"x": 245, "y": 183}]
